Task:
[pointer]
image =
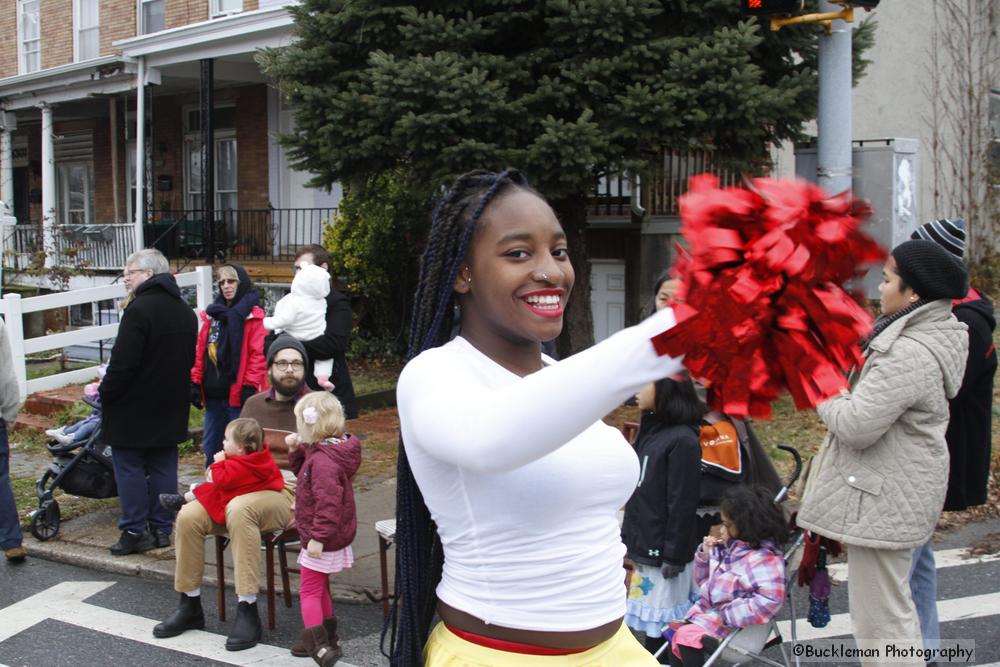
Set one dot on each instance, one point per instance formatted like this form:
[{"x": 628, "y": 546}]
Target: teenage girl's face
[
  {"x": 891, "y": 297},
  {"x": 517, "y": 278}
]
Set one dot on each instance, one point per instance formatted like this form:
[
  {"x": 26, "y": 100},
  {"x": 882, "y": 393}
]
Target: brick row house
[
  {"x": 78, "y": 76},
  {"x": 74, "y": 83}
]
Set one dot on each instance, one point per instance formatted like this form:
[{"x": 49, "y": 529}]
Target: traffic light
[{"x": 769, "y": 7}]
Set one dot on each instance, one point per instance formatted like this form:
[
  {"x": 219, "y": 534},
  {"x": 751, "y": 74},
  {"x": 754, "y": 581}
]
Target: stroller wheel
[{"x": 45, "y": 521}]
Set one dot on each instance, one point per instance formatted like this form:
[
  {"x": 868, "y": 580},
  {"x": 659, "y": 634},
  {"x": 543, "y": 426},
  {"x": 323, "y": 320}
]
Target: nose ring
[{"x": 544, "y": 277}]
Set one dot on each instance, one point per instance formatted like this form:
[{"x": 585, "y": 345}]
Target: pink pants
[{"x": 314, "y": 597}]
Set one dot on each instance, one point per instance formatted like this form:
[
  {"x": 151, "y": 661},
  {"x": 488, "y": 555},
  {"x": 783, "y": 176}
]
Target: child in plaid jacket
[{"x": 741, "y": 575}]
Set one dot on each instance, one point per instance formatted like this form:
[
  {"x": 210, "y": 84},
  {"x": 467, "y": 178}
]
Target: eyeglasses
[
  {"x": 228, "y": 281},
  {"x": 286, "y": 365},
  {"x": 128, "y": 272}
]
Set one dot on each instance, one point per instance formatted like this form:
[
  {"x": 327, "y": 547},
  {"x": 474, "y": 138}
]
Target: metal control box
[{"x": 886, "y": 173}]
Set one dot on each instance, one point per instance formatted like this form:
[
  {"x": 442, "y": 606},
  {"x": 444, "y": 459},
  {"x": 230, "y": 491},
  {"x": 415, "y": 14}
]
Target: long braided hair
[{"x": 419, "y": 557}]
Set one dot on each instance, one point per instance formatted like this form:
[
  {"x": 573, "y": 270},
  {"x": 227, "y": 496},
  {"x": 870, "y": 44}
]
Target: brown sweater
[{"x": 270, "y": 412}]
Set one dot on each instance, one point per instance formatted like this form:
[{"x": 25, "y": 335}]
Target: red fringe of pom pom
[{"x": 761, "y": 306}]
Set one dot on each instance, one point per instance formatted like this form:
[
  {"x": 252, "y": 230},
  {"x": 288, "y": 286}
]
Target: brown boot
[
  {"x": 314, "y": 641},
  {"x": 330, "y": 625}
]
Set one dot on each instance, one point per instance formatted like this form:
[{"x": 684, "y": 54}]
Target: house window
[
  {"x": 225, "y": 172},
  {"x": 85, "y": 15},
  {"x": 224, "y": 128},
  {"x": 76, "y": 198},
  {"x": 224, "y": 7},
  {"x": 152, "y": 16},
  {"x": 29, "y": 36}
]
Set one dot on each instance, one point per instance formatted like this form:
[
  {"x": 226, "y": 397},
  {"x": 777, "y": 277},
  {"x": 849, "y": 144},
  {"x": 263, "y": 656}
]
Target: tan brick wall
[
  {"x": 185, "y": 12},
  {"x": 251, "y": 144},
  {"x": 8, "y": 45},
  {"x": 57, "y": 32},
  {"x": 168, "y": 152},
  {"x": 117, "y": 19},
  {"x": 251, "y": 5}
]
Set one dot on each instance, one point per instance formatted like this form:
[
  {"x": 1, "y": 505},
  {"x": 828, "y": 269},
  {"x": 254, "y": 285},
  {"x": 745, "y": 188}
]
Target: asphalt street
[{"x": 53, "y": 614}]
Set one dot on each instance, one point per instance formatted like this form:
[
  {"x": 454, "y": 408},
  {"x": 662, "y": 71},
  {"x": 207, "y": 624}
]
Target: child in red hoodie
[
  {"x": 243, "y": 466},
  {"x": 324, "y": 459}
]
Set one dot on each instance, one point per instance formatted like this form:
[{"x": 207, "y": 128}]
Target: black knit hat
[
  {"x": 284, "y": 342},
  {"x": 932, "y": 272},
  {"x": 949, "y": 233}
]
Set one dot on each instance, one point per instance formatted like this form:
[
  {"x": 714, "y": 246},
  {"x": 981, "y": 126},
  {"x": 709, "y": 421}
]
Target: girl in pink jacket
[
  {"x": 741, "y": 575},
  {"x": 325, "y": 515}
]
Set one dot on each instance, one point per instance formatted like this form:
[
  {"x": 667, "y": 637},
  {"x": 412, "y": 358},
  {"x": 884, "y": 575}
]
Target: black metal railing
[
  {"x": 247, "y": 234},
  {"x": 613, "y": 194}
]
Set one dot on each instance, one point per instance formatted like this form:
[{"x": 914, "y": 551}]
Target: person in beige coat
[
  {"x": 10, "y": 398},
  {"x": 878, "y": 482}
]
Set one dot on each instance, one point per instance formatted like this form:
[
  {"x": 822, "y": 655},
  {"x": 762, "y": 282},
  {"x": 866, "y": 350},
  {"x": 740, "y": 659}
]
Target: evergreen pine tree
[{"x": 567, "y": 90}]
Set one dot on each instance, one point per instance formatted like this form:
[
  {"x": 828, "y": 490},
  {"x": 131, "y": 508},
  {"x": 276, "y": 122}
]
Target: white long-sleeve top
[{"x": 524, "y": 480}]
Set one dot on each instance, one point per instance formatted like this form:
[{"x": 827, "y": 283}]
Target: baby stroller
[
  {"x": 80, "y": 468},
  {"x": 744, "y": 645}
]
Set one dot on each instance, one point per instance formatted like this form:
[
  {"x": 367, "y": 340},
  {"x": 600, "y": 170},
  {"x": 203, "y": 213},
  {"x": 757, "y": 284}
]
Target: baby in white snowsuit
[{"x": 302, "y": 314}]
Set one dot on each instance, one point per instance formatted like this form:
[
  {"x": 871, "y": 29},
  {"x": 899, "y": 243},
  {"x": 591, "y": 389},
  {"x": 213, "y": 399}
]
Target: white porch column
[
  {"x": 140, "y": 153},
  {"x": 6, "y": 163},
  {"x": 48, "y": 188}
]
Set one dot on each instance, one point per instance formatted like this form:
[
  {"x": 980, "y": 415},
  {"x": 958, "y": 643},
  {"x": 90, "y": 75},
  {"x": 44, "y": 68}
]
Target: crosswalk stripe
[
  {"x": 955, "y": 609},
  {"x": 65, "y": 602},
  {"x": 942, "y": 559}
]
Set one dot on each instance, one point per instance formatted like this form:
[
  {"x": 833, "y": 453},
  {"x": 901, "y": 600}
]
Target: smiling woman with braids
[{"x": 505, "y": 470}]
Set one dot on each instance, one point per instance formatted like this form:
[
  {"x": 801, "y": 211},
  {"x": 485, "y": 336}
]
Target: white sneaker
[
  {"x": 54, "y": 432},
  {"x": 64, "y": 439}
]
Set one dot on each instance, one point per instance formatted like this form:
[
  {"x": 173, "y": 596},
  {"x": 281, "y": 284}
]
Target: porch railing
[
  {"x": 613, "y": 194},
  {"x": 98, "y": 247},
  {"x": 271, "y": 234}
]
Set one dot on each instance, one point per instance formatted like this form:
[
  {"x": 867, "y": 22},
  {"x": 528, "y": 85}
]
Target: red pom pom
[{"x": 762, "y": 306}]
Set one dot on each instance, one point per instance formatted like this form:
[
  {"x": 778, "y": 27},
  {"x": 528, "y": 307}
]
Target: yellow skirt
[{"x": 445, "y": 649}]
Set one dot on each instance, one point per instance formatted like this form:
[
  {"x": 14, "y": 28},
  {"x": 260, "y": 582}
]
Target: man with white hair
[{"x": 144, "y": 399}]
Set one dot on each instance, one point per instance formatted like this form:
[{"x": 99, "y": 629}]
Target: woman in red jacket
[
  {"x": 229, "y": 364},
  {"x": 325, "y": 515}
]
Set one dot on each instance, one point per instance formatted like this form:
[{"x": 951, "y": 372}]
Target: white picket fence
[{"x": 12, "y": 306}]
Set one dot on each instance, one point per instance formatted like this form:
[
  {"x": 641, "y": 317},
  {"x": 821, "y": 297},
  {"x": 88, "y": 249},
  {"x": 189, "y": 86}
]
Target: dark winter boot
[
  {"x": 246, "y": 628},
  {"x": 187, "y": 616},
  {"x": 315, "y": 641},
  {"x": 330, "y": 625}
]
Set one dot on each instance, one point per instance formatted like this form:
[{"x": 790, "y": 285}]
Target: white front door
[{"x": 607, "y": 297}]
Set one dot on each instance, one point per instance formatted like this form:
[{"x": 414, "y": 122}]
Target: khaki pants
[
  {"x": 247, "y": 516},
  {"x": 882, "y": 610}
]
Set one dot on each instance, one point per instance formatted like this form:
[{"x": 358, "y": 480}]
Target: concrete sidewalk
[{"x": 84, "y": 541}]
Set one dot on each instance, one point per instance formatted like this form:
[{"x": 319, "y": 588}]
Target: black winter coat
[
  {"x": 660, "y": 523},
  {"x": 333, "y": 344},
  {"x": 969, "y": 437},
  {"x": 144, "y": 395}
]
